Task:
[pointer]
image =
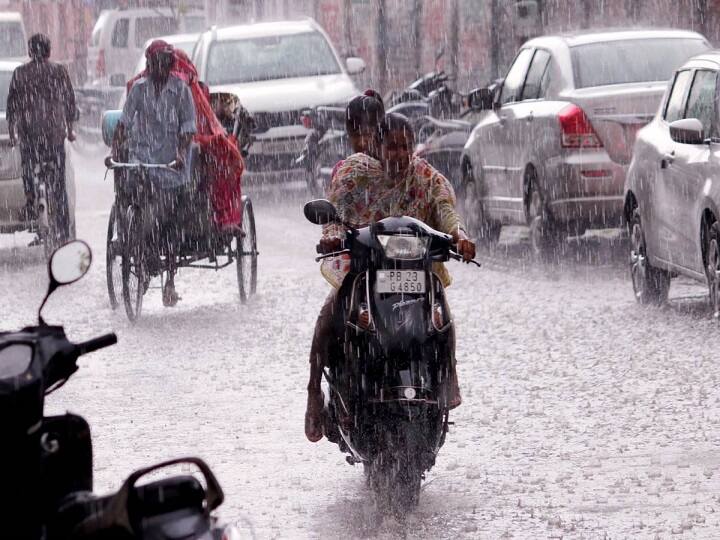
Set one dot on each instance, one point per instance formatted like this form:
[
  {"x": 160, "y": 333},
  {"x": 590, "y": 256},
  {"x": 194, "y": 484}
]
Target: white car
[
  {"x": 13, "y": 40},
  {"x": 184, "y": 42},
  {"x": 12, "y": 194},
  {"x": 277, "y": 70},
  {"x": 119, "y": 37}
]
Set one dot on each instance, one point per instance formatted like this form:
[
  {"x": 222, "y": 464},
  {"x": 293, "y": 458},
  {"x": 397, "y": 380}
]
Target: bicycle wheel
[
  {"x": 113, "y": 259},
  {"x": 246, "y": 253},
  {"x": 134, "y": 279},
  {"x": 49, "y": 234}
]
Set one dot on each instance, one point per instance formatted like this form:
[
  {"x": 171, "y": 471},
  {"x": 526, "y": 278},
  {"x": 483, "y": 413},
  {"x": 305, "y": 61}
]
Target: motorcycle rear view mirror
[
  {"x": 321, "y": 212},
  {"x": 480, "y": 99},
  {"x": 67, "y": 264}
]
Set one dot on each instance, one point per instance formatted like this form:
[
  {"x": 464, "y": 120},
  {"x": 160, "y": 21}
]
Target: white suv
[
  {"x": 13, "y": 41},
  {"x": 277, "y": 70},
  {"x": 119, "y": 36}
]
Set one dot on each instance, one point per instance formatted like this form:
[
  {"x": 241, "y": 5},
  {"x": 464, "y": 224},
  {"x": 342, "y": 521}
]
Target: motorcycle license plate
[{"x": 400, "y": 281}]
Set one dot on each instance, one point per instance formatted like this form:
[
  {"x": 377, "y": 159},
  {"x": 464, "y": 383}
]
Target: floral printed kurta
[{"x": 363, "y": 194}]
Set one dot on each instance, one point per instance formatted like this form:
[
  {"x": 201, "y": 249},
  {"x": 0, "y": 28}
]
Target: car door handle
[{"x": 667, "y": 160}]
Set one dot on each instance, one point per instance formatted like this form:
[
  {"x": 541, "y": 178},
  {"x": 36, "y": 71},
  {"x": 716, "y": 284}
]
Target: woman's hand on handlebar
[
  {"x": 466, "y": 248},
  {"x": 329, "y": 245}
]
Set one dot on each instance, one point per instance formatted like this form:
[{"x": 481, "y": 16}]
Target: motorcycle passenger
[
  {"x": 40, "y": 113},
  {"x": 158, "y": 123},
  {"x": 366, "y": 190},
  {"x": 362, "y": 118}
]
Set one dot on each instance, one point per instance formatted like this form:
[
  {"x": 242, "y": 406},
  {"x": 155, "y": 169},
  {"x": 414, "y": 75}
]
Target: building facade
[{"x": 399, "y": 39}]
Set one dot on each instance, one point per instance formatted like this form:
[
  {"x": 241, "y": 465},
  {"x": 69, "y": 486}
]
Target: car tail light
[
  {"x": 577, "y": 131},
  {"x": 100, "y": 64},
  {"x": 595, "y": 173}
]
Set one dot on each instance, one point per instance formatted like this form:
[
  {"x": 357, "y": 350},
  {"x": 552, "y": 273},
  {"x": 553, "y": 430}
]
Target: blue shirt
[{"x": 155, "y": 123}]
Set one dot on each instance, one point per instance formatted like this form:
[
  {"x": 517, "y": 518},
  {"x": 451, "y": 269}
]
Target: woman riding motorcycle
[{"x": 365, "y": 190}]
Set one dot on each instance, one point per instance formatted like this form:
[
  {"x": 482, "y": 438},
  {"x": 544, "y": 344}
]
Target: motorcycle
[
  {"x": 48, "y": 478},
  {"x": 388, "y": 373}
]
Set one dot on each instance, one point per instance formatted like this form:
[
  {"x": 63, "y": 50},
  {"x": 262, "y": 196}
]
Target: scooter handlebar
[{"x": 97, "y": 343}]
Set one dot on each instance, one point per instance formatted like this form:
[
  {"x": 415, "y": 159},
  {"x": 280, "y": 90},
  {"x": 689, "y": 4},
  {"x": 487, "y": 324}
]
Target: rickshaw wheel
[
  {"x": 133, "y": 265},
  {"x": 113, "y": 259},
  {"x": 246, "y": 253}
]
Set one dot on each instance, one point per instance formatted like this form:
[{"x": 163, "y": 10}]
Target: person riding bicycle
[
  {"x": 40, "y": 113},
  {"x": 157, "y": 124},
  {"x": 367, "y": 190}
]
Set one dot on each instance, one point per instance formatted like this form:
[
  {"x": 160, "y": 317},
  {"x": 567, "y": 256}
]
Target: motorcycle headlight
[{"x": 403, "y": 247}]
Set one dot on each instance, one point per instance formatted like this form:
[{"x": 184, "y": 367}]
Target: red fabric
[
  {"x": 223, "y": 163},
  {"x": 157, "y": 46}
]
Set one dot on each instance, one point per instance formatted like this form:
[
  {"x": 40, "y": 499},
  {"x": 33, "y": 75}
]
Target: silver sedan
[{"x": 556, "y": 138}]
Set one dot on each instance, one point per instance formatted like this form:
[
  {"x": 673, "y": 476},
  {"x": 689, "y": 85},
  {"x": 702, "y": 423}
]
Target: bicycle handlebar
[{"x": 112, "y": 164}]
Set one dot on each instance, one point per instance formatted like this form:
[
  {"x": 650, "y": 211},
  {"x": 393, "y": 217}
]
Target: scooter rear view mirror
[
  {"x": 320, "y": 212},
  {"x": 67, "y": 264}
]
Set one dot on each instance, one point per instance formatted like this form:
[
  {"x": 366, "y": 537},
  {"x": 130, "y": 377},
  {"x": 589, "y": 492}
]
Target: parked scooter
[
  {"x": 388, "y": 375},
  {"x": 422, "y": 101},
  {"x": 325, "y": 145},
  {"x": 442, "y": 141},
  {"x": 48, "y": 479}
]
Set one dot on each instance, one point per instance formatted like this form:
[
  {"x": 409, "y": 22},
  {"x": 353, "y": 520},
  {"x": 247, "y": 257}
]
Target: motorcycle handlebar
[{"x": 97, "y": 343}]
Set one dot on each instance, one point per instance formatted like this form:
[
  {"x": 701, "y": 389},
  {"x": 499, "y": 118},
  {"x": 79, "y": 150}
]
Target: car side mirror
[
  {"x": 687, "y": 131},
  {"x": 320, "y": 212},
  {"x": 117, "y": 79},
  {"x": 354, "y": 65},
  {"x": 480, "y": 99}
]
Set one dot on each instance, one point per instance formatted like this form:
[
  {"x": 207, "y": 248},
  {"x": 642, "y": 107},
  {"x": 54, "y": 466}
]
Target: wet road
[{"x": 584, "y": 416}]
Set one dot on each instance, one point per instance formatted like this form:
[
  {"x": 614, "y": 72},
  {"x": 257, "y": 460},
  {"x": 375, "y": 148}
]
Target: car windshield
[
  {"x": 632, "y": 60},
  {"x": 5, "y": 77},
  {"x": 274, "y": 57},
  {"x": 12, "y": 40}
]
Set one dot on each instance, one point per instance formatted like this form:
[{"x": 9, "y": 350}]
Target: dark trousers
[{"x": 47, "y": 163}]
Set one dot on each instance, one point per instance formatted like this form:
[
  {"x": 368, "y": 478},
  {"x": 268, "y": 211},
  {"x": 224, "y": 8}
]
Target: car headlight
[{"x": 403, "y": 247}]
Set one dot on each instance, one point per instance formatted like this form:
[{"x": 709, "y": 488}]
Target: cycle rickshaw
[{"x": 134, "y": 258}]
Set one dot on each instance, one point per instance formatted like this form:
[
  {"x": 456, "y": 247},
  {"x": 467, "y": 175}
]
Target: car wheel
[
  {"x": 545, "y": 238},
  {"x": 650, "y": 285},
  {"x": 712, "y": 267},
  {"x": 477, "y": 224}
]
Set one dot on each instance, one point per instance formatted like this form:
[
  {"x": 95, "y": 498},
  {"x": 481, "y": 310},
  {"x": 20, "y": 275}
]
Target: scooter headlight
[{"x": 403, "y": 247}]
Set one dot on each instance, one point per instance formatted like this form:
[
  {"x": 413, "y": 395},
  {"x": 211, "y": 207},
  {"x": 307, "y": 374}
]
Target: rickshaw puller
[{"x": 158, "y": 123}]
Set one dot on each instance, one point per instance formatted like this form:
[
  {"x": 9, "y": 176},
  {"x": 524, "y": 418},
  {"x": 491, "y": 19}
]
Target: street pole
[
  {"x": 454, "y": 37},
  {"x": 347, "y": 27},
  {"x": 418, "y": 33},
  {"x": 381, "y": 49},
  {"x": 495, "y": 38}
]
